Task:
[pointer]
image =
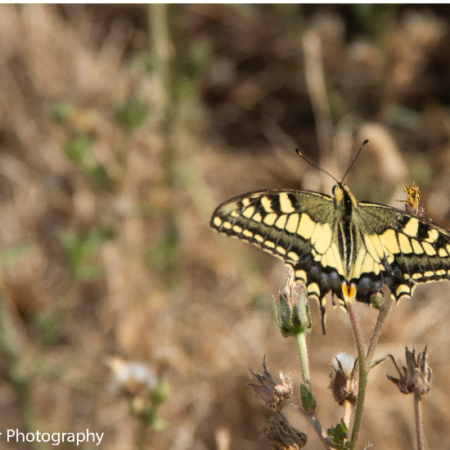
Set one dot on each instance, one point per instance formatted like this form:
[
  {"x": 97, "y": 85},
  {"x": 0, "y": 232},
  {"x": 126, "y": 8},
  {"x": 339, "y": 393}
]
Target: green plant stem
[
  {"x": 385, "y": 308},
  {"x": 363, "y": 373},
  {"x": 142, "y": 431},
  {"x": 303, "y": 352},
  {"x": 419, "y": 421},
  {"x": 304, "y": 362}
]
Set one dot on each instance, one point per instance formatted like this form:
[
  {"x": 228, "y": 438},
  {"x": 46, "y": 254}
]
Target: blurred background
[{"x": 121, "y": 129}]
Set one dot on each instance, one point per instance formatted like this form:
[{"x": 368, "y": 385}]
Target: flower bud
[{"x": 293, "y": 315}]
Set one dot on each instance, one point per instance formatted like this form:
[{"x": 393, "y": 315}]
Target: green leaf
[
  {"x": 131, "y": 115},
  {"x": 339, "y": 435},
  {"x": 344, "y": 426},
  {"x": 308, "y": 401},
  {"x": 158, "y": 424},
  {"x": 79, "y": 149},
  {"x": 82, "y": 249},
  {"x": 378, "y": 361},
  {"x": 11, "y": 255},
  {"x": 61, "y": 111},
  {"x": 161, "y": 393}
]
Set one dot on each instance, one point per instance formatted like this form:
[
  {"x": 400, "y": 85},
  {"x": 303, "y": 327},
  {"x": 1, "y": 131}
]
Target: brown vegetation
[{"x": 116, "y": 144}]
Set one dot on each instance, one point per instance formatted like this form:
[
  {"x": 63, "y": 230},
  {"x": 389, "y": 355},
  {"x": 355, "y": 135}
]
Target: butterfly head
[{"x": 344, "y": 199}]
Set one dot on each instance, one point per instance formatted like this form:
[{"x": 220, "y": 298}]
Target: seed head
[
  {"x": 274, "y": 395},
  {"x": 344, "y": 381},
  {"x": 416, "y": 376}
]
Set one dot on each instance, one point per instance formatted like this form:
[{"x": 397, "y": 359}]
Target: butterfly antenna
[
  {"x": 356, "y": 157},
  {"x": 316, "y": 167}
]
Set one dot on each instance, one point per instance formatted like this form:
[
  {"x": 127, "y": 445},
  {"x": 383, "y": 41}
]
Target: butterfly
[{"x": 337, "y": 244}]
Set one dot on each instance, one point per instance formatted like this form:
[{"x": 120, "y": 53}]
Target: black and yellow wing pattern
[{"x": 338, "y": 244}]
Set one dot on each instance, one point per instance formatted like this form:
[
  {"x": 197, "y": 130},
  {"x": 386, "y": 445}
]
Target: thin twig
[
  {"x": 164, "y": 54},
  {"x": 385, "y": 308},
  {"x": 419, "y": 421},
  {"x": 314, "y": 421}
]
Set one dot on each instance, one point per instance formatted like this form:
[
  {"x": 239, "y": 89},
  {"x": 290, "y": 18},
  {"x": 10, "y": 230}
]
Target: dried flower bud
[
  {"x": 293, "y": 315},
  {"x": 274, "y": 395},
  {"x": 282, "y": 436},
  {"x": 416, "y": 376},
  {"x": 344, "y": 381}
]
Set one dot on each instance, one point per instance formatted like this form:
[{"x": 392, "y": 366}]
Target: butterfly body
[{"x": 337, "y": 244}]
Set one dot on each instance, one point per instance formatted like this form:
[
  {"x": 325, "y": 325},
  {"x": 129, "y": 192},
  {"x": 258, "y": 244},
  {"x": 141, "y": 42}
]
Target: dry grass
[{"x": 104, "y": 235}]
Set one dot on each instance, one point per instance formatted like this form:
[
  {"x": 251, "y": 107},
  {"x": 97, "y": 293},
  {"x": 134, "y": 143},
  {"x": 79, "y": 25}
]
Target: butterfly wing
[
  {"x": 400, "y": 250},
  {"x": 295, "y": 226}
]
